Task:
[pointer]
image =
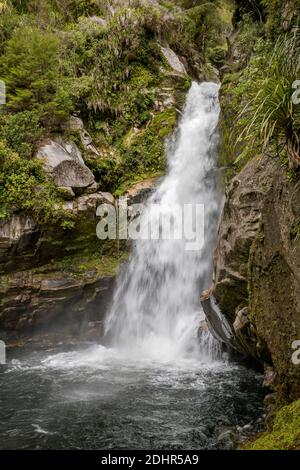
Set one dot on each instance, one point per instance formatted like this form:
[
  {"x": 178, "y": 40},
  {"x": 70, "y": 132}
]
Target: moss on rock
[{"x": 285, "y": 434}]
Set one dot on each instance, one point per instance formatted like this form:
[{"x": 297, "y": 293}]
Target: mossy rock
[
  {"x": 217, "y": 55},
  {"x": 285, "y": 434}
]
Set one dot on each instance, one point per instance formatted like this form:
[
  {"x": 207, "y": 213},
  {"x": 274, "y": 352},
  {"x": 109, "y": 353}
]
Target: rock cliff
[{"x": 256, "y": 281}]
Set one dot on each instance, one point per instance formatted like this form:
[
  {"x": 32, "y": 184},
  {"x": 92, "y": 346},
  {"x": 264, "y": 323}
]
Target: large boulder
[
  {"x": 63, "y": 161},
  {"x": 87, "y": 204},
  {"x": 240, "y": 223}
]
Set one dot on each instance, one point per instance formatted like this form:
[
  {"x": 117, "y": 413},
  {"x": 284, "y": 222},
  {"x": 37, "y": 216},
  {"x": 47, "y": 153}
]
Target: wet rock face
[
  {"x": 257, "y": 268},
  {"x": 240, "y": 223},
  {"x": 41, "y": 296},
  {"x": 24, "y": 245},
  {"x": 17, "y": 235},
  {"x": 53, "y": 305}
]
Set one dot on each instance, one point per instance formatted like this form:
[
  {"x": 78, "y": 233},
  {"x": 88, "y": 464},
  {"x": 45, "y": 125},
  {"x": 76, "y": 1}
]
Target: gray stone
[
  {"x": 98, "y": 20},
  {"x": 139, "y": 192},
  {"x": 92, "y": 188},
  {"x": 88, "y": 203},
  {"x": 74, "y": 124},
  {"x": 16, "y": 235},
  {"x": 73, "y": 174},
  {"x": 63, "y": 161},
  {"x": 257, "y": 264},
  {"x": 87, "y": 142},
  {"x": 172, "y": 59}
]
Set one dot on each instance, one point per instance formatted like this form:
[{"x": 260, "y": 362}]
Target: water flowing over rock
[{"x": 156, "y": 302}]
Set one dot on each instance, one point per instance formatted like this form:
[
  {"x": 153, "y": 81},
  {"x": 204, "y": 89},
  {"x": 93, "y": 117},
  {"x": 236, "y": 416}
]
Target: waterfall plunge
[{"x": 155, "y": 309}]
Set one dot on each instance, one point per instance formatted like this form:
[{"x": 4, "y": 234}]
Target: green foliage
[
  {"x": 249, "y": 32},
  {"x": 29, "y": 68},
  {"x": 61, "y": 56},
  {"x": 191, "y": 32},
  {"x": 270, "y": 113},
  {"x": 139, "y": 153},
  {"x": 22, "y": 131},
  {"x": 217, "y": 55},
  {"x": 8, "y": 21},
  {"x": 122, "y": 61},
  {"x": 285, "y": 434},
  {"x": 24, "y": 186},
  {"x": 280, "y": 16},
  {"x": 106, "y": 170},
  {"x": 238, "y": 88}
]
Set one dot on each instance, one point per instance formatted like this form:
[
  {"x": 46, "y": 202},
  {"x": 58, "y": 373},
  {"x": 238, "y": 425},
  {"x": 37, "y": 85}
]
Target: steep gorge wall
[{"x": 257, "y": 269}]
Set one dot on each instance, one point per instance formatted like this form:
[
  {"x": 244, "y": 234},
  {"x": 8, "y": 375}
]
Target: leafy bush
[
  {"x": 30, "y": 70},
  {"x": 280, "y": 16},
  {"x": 106, "y": 170},
  {"x": 25, "y": 186},
  {"x": 249, "y": 32},
  {"x": 217, "y": 55},
  {"x": 22, "y": 131},
  {"x": 271, "y": 115}
]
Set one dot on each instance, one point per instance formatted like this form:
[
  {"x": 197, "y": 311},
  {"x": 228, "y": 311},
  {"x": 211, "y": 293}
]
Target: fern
[{"x": 270, "y": 112}]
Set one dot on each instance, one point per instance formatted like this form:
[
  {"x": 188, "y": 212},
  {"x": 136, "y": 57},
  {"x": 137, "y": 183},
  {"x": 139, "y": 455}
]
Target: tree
[{"x": 30, "y": 70}]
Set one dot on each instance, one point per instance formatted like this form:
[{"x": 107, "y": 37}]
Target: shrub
[
  {"x": 25, "y": 186},
  {"x": 270, "y": 113},
  {"x": 22, "y": 131},
  {"x": 217, "y": 55},
  {"x": 30, "y": 70}
]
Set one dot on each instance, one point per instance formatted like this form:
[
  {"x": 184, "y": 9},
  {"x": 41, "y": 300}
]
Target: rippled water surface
[{"x": 94, "y": 399}]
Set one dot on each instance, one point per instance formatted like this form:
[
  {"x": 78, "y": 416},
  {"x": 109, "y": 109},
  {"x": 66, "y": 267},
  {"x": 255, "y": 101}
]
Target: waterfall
[{"x": 155, "y": 311}]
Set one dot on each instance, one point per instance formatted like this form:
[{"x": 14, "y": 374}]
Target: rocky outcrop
[
  {"x": 17, "y": 236},
  {"x": 55, "y": 283},
  {"x": 257, "y": 268},
  {"x": 75, "y": 126},
  {"x": 139, "y": 192},
  {"x": 64, "y": 163},
  {"x": 25, "y": 245},
  {"x": 49, "y": 304}
]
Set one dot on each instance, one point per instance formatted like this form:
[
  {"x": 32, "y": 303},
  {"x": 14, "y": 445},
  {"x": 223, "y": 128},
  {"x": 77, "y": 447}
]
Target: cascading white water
[
  {"x": 155, "y": 310},
  {"x": 153, "y": 389}
]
